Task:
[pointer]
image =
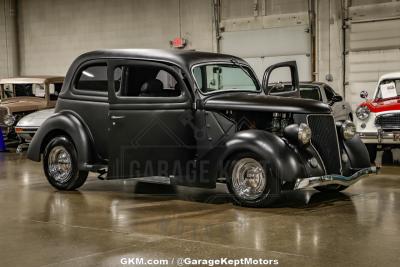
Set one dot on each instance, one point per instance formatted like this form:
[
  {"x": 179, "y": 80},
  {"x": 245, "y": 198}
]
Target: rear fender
[{"x": 63, "y": 123}]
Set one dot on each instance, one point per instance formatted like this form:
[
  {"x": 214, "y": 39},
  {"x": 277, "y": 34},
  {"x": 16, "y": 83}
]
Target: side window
[
  {"x": 145, "y": 81},
  {"x": 93, "y": 78},
  {"x": 310, "y": 93},
  {"x": 329, "y": 93},
  {"x": 55, "y": 89}
]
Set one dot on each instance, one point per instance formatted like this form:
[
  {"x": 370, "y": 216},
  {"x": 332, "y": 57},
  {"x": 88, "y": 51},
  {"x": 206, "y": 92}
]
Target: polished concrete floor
[{"x": 108, "y": 220}]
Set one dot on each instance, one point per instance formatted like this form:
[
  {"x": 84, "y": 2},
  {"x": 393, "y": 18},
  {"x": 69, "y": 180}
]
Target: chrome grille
[
  {"x": 388, "y": 121},
  {"x": 325, "y": 141},
  {"x": 3, "y": 112}
]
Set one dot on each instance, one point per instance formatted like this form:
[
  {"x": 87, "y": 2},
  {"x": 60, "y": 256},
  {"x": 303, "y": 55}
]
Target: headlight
[
  {"x": 348, "y": 130},
  {"x": 8, "y": 120},
  {"x": 298, "y": 134},
  {"x": 304, "y": 134},
  {"x": 363, "y": 113}
]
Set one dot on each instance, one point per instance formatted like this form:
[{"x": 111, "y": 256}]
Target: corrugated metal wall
[
  {"x": 264, "y": 32},
  {"x": 373, "y": 38}
]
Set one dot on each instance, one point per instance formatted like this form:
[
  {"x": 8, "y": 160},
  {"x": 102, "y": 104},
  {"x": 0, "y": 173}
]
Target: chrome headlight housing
[
  {"x": 363, "y": 113},
  {"x": 348, "y": 130},
  {"x": 304, "y": 134},
  {"x": 9, "y": 120},
  {"x": 298, "y": 134}
]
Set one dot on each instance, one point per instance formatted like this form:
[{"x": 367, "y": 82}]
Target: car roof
[
  {"x": 32, "y": 79},
  {"x": 393, "y": 75},
  {"x": 183, "y": 58}
]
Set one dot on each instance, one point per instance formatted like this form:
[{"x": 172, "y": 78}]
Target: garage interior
[{"x": 347, "y": 44}]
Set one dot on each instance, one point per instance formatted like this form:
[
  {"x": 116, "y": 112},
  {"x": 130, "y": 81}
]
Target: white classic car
[
  {"x": 28, "y": 125},
  {"x": 378, "y": 119}
]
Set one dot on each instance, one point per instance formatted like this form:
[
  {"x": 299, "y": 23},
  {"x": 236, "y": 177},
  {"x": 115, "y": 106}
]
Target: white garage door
[
  {"x": 264, "y": 47},
  {"x": 374, "y": 49}
]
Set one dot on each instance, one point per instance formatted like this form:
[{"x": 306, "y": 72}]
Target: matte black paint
[
  {"x": 357, "y": 153},
  {"x": 263, "y": 103},
  {"x": 69, "y": 124},
  {"x": 197, "y": 130}
]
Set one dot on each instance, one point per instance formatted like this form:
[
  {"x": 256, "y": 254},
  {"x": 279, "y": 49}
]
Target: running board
[{"x": 154, "y": 180}]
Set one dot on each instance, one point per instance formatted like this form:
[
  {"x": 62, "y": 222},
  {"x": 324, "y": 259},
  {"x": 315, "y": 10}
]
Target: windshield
[
  {"x": 388, "y": 89},
  {"x": 225, "y": 77},
  {"x": 32, "y": 90}
]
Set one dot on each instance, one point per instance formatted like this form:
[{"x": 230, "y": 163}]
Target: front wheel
[
  {"x": 252, "y": 181},
  {"x": 60, "y": 164}
]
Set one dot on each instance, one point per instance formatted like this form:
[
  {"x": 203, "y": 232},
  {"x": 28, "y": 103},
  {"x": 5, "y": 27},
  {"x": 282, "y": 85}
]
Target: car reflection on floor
[{"x": 106, "y": 220}]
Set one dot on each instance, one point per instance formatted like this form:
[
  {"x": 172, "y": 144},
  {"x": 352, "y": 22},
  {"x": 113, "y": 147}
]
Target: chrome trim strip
[{"x": 333, "y": 179}]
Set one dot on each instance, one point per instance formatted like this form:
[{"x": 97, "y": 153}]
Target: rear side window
[
  {"x": 93, "y": 78},
  {"x": 310, "y": 92}
]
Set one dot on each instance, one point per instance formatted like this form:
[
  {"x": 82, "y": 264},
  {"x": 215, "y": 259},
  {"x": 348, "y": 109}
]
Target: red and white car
[{"x": 378, "y": 119}]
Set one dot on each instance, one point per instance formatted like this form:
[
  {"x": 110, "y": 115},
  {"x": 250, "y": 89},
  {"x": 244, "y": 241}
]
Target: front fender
[
  {"x": 63, "y": 123},
  {"x": 357, "y": 153},
  {"x": 270, "y": 147}
]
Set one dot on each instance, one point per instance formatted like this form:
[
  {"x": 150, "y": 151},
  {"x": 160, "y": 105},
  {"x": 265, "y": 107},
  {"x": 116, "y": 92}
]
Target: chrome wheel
[
  {"x": 60, "y": 164},
  {"x": 248, "y": 179}
]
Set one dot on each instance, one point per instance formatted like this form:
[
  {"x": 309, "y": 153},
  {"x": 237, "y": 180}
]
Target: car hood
[
  {"x": 257, "y": 102},
  {"x": 382, "y": 105},
  {"x": 35, "y": 119},
  {"x": 22, "y": 104}
]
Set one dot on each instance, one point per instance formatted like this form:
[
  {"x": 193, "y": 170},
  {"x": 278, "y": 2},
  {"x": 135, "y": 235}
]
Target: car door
[
  {"x": 282, "y": 79},
  {"x": 150, "y": 133}
]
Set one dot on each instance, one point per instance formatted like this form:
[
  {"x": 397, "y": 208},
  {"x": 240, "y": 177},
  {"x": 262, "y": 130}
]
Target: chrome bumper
[
  {"x": 333, "y": 179},
  {"x": 380, "y": 137}
]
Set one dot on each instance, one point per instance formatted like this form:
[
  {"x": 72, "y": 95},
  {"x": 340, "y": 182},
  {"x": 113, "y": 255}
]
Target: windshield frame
[
  {"x": 13, "y": 85},
  {"x": 236, "y": 64}
]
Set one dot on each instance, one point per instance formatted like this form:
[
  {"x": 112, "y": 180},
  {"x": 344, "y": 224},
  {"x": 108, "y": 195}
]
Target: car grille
[
  {"x": 3, "y": 112},
  {"x": 388, "y": 121},
  {"x": 325, "y": 141}
]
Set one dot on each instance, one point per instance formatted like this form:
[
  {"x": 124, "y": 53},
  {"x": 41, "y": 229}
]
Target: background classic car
[
  {"x": 24, "y": 95},
  {"x": 378, "y": 119},
  {"x": 323, "y": 92},
  {"x": 28, "y": 126},
  {"x": 202, "y": 116}
]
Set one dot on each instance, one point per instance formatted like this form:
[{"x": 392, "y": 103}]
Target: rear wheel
[
  {"x": 60, "y": 163},
  {"x": 252, "y": 181}
]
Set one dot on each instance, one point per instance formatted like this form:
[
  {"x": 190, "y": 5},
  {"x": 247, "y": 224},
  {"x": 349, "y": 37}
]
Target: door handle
[{"x": 117, "y": 117}]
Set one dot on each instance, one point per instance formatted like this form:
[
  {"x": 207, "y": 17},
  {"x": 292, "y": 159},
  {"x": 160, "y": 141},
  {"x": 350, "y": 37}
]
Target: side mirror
[
  {"x": 336, "y": 98},
  {"x": 364, "y": 94}
]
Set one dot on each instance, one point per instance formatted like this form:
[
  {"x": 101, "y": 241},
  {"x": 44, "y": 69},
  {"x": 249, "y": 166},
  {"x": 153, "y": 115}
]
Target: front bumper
[
  {"x": 380, "y": 137},
  {"x": 26, "y": 133},
  {"x": 333, "y": 179}
]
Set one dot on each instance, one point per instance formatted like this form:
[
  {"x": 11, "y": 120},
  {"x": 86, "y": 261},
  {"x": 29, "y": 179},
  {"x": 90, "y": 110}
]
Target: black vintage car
[{"x": 195, "y": 119}]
